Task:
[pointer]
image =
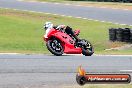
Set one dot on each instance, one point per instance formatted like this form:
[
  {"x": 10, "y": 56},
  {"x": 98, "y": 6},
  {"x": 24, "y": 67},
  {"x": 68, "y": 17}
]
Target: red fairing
[
  {"x": 49, "y": 35},
  {"x": 66, "y": 41}
]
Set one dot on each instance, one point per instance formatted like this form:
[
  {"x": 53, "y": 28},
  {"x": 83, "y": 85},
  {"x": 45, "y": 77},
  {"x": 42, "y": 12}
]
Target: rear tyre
[{"x": 55, "y": 47}]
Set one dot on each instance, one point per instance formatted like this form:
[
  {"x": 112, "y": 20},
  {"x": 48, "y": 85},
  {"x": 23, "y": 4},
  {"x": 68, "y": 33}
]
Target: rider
[{"x": 67, "y": 29}]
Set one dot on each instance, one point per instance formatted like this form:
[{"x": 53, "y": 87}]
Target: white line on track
[
  {"x": 66, "y": 16},
  {"x": 102, "y": 21},
  {"x": 73, "y": 55},
  {"x": 70, "y": 16},
  {"x": 123, "y": 24},
  {"x": 114, "y": 55},
  {"x": 96, "y": 20},
  {"x": 33, "y": 11},
  {"x": 109, "y": 22},
  {"x": 90, "y": 19},
  {"x": 55, "y": 14},
  {"x": 9, "y": 53},
  {"x": 126, "y": 70},
  {"x": 56, "y": 3},
  {"x": 20, "y": 0},
  {"x": 78, "y": 17},
  {"x": 23, "y": 10},
  {"x": 73, "y": 5},
  {"x": 67, "y": 4},
  {"x": 40, "y": 12},
  {"x": 117, "y": 23},
  {"x": 84, "y": 18},
  {"x": 63, "y": 15},
  {"x": 46, "y": 13}
]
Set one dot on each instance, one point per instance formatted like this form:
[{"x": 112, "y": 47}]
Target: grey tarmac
[
  {"x": 35, "y": 71},
  {"x": 102, "y": 14},
  {"x": 47, "y": 70}
]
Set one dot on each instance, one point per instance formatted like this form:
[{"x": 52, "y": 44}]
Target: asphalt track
[
  {"x": 102, "y": 14},
  {"x": 37, "y": 71},
  {"x": 47, "y": 70}
]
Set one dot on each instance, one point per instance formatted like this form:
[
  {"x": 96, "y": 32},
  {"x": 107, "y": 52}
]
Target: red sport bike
[{"x": 59, "y": 42}]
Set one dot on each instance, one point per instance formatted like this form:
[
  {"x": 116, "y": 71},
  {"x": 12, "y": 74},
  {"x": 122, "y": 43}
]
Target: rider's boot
[{"x": 77, "y": 39}]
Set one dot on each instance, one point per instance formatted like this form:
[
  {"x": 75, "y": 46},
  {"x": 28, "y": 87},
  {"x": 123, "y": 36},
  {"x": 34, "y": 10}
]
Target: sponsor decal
[{"x": 82, "y": 78}]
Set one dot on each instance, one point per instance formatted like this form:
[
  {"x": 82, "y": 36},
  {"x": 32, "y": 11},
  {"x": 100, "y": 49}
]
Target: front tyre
[
  {"x": 55, "y": 47},
  {"x": 87, "y": 49}
]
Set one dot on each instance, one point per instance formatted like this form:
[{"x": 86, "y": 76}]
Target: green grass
[{"x": 22, "y": 31}]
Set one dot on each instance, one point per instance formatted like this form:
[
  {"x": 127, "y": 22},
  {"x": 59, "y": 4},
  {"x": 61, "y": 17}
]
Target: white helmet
[{"x": 48, "y": 25}]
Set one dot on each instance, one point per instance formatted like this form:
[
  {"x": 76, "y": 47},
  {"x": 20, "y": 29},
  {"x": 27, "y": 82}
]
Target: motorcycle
[{"x": 59, "y": 42}]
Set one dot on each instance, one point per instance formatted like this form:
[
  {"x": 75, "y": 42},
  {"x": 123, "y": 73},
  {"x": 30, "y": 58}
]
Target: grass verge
[{"x": 22, "y": 32}]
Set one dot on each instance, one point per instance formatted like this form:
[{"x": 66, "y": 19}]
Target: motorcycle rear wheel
[{"x": 55, "y": 47}]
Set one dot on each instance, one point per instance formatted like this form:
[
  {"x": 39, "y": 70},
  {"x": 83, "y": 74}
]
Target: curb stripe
[
  {"x": 74, "y": 5},
  {"x": 114, "y": 55},
  {"x": 65, "y": 16},
  {"x": 9, "y": 53},
  {"x": 126, "y": 70}
]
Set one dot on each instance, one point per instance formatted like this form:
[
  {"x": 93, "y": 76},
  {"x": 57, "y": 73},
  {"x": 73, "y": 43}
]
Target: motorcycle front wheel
[
  {"x": 55, "y": 47},
  {"x": 87, "y": 50}
]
